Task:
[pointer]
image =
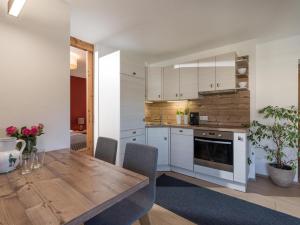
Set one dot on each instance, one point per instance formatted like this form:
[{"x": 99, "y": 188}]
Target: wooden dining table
[{"x": 70, "y": 188}]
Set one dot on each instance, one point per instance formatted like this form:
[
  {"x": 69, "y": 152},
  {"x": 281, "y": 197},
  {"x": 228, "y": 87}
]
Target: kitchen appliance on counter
[
  {"x": 194, "y": 118},
  {"x": 214, "y": 149}
]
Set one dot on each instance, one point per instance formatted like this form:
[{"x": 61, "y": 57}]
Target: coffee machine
[{"x": 194, "y": 118}]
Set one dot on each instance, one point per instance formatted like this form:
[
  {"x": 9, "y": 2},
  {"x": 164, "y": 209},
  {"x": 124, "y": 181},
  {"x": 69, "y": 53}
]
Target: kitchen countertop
[{"x": 234, "y": 129}]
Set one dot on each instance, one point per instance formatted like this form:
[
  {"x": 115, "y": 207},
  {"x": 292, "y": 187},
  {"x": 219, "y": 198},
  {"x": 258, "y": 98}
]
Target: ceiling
[
  {"x": 81, "y": 63},
  {"x": 166, "y": 27}
]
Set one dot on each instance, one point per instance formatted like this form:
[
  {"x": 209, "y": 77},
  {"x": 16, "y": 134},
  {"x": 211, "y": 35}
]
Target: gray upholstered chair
[
  {"x": 106, "y": 149},
  {"x": 141, "y": 159}
]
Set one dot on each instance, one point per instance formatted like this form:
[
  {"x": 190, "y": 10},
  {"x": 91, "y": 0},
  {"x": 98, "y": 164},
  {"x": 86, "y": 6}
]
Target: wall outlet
[{"x": 204, "y": 118}]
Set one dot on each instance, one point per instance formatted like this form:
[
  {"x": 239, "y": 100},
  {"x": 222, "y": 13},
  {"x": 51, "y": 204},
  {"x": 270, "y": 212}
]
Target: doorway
[{"x": 82, "y": 85}]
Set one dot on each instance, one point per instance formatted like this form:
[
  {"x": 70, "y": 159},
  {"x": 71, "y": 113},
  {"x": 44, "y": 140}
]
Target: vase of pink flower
[{"x": 29, "y": 135}]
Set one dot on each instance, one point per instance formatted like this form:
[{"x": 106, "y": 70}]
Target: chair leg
[{"x": 145, "y": 220}]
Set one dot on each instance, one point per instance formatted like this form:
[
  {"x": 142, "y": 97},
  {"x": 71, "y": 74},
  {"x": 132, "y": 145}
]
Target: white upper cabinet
[
  {"x": 189, "y": 80},
  {"x": 154, "y": 83},
  {"x": 171, "y": 83},
  {"x": 132, "y": 69},
  {"x": 225, "y": 71},
  {"x": 206, "y": 74},
  {"x": 132, "y": 102}
]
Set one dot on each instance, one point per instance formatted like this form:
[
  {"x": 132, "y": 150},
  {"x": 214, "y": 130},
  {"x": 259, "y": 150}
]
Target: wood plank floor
[{"x": 261, "y": 192}]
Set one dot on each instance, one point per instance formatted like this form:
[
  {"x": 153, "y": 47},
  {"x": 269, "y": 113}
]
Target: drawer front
[
  {"x": 132, "y": 69},
  {"x": 132, "y": 133},
  {"x": 189, "y": 132},
  {"x": 123, "y": 141}
]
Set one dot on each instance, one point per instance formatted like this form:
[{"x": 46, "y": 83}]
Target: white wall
[
  {"x": 34, "y": 70},
  {"x": 276, "y": 79}
]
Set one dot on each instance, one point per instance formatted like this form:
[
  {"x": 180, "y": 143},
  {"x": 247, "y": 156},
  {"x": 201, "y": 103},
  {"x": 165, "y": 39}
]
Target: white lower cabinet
[
  {"x": 182, "y": 148},
  {"x": 139, "y": 139},
  {"x": 240, "y": 158},
  {"x": 159, "y": 138}
]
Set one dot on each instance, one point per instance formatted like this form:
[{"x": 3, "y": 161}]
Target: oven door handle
[{"x": 215, "y": 142}]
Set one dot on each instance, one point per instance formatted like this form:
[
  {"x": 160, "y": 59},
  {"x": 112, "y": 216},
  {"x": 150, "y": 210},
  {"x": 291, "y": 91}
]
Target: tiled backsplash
[{"x": 225, "y": 109}]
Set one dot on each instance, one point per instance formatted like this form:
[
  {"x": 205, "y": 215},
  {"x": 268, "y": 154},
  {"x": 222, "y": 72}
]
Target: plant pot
[
  {"x": 185, "y": 119},
  {"x": 178, "y": 119},
  {"x": 281, "y": 177}
]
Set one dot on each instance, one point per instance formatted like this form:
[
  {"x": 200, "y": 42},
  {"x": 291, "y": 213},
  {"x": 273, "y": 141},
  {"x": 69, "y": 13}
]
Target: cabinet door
[
  {"x": 132, "y": 69},
  {"x": 123, "y": 141},
  {"x": 206, "y": 74},
  {"x": 225, "y": 71},
  {"x": 189, "y": 80},
  {"x": 154, "y": 83},
  {"x": 240, "y": 158},
  {"x": 159, "y": 138},
  {"x": 182, "y": 151},
  {"x": 132, "y": 102},
  {"x": 171, "y": 83}
]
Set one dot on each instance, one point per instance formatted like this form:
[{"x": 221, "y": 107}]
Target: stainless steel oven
[{"x": 213, "y": 149}]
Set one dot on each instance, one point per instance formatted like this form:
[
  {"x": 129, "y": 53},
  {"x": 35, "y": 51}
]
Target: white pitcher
[{"x": 10, "y": 156}]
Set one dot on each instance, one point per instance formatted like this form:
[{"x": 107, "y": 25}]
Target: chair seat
[{"x": 123, "y": 213}]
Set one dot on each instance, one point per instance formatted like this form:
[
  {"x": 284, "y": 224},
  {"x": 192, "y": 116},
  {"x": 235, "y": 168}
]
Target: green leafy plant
[
  {"x": 179, "y": 112},
  {"x": 186, "y": 111},
  {"x": 279, "y": 132}
]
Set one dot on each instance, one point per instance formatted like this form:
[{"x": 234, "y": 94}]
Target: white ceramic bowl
[
  {"x": 243, "y": 84},
  {"x": 242, "y": 70}
]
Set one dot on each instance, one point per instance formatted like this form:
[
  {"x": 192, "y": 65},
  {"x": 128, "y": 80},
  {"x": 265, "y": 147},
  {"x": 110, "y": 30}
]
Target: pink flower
[
  {"x": 40, "y": 126},
  {"x": 34, "y": 130},
  {"x": 11, "y": 130},
  {"x": 26, "y": 132}
]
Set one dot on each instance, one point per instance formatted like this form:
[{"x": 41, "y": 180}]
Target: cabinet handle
[
  {"x": 180, "y": 131},
  {"x": 218, "y": 85},
  {"x": 181, "y": 95},
  {"x": 211, "y": 85},
  {"x": 176, "y": 95},
  {"x": 165, "y": 138},
  {"x": 158, "y": 96},
  {"x": 134, "y": 132},
  {"x": 134, "y": 73},
  {"x": 240, "y": 138},
  {"x": 133, "y": 139}
]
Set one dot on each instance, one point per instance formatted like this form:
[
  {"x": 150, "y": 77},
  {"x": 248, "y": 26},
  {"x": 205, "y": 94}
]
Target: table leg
[{"x": 145, "y": 220}]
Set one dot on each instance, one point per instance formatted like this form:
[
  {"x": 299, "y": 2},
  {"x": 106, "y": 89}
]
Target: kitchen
[{"x": 213, "y": 90}]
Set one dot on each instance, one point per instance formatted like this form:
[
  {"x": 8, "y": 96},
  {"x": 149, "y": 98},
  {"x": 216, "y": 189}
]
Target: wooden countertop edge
[
  {"x": 95, "y": 211},
  {"x": 235, "y": 130}
]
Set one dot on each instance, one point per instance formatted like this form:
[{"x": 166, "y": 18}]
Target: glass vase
[
  {"x": 37, "y": 158},
  {"x": 26, "y": 164}
]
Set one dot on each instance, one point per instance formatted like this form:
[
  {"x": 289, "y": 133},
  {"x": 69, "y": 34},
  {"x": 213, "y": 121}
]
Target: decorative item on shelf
[
  {"x": 81, "y": 122},
  {"x": 179, "y": 113},
  {"x": 242, "y": 71},
  {"x": 29, "y": 136},
  {"x": 186, "y": 116},
  {"x": 278, "y": 136},
  {"x": 243, "y": 84},
  {"x": 10, "y": 156}
]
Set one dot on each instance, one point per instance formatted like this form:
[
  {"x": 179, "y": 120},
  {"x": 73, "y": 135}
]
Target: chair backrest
[
  {"x": 142, "y": 159},
  {"x": 106, "y": 149}
]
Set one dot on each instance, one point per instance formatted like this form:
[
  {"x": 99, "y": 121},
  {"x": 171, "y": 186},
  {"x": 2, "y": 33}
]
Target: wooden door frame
[{"x": 89, "y": 48}]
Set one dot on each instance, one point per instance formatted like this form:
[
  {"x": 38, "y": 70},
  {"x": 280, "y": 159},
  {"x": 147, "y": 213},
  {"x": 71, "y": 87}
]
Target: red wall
[{"x": 78, "y": 101}]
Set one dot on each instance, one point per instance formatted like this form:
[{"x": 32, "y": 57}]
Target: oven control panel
[{"x": 214, "y": 134}]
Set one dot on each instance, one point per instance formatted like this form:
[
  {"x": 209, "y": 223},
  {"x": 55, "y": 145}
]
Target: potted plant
[
  {"x": 186, "y": 116},
  {"x": 276, "y": 136},
  {"x": 179, "y": 113}
]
